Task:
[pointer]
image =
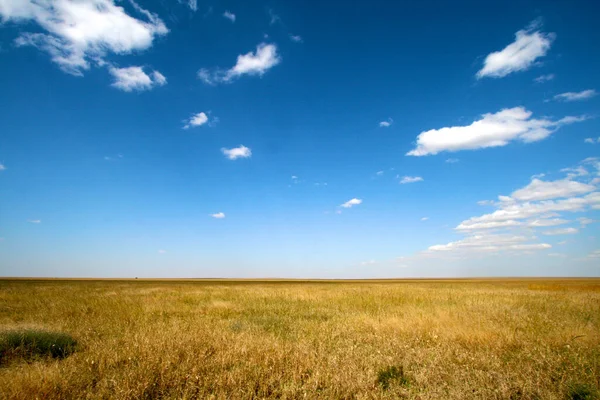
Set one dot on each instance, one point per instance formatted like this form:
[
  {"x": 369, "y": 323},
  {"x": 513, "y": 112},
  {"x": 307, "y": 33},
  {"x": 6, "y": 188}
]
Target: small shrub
[
  {"x": 31, "y": 344},
  {"x": 581, "y": 391},
  {"x": 390, "y": 374}
]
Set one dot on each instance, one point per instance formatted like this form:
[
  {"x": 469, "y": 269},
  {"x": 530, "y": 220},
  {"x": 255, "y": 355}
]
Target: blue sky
[{"x": 313, "y": 139}]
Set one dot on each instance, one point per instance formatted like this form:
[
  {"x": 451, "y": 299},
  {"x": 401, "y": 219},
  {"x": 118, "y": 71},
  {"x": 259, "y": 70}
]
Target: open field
[{"x": 219, "y": 339}]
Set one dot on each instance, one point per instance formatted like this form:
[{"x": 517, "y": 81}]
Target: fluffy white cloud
[
  {"x": 229, "y": 15},
  {"x": 529, "y": 45},
  {"x": 134, "y": 78},
  {"x": 252, "y": 63},
  {"x": 76, "y": 33},
  {"x": 592, "y": 140},
  {"x": 574, "y": 96},
  {"x": 492, "y": 130},
  {"x": 218, "y": 215},
  {"x": 564, "y": 231},
  {"x": 237, "y": 152},
  {"x": 386, "y": 124},
  {"x": 544, "y": 78},
  {"x": 200, "y": 119},
  {"x": 410, "y": 179},
  {"x": 542, "y": 190},
  {"x": 350, "y": 203}
]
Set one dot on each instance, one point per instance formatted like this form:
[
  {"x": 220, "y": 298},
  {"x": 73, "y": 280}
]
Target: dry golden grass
[{"x": 480, "y": 339}]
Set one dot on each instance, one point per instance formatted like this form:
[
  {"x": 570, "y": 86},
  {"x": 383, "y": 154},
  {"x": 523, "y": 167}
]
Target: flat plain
[{"x": 226, "y": 339}]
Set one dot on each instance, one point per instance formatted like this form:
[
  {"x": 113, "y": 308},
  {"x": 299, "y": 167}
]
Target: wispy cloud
[
  {"x": 424, "y": 218},
  {"x": 492, "y": 130},
  {"x": 273, "y": 18},
  {"x": 410, "y": 179},
  {"x": 544, "y": 78},
  {"x": 296, "y": 38},
  {"x": 386, "y": 124},
  {"x": 253, "y": 63},
  {"x": 576, "y": 96},
  {"x": 2, "y": 167},
  {"x": 218, "y": 215},
  {"x": 34, "y": 221},
  {"x": 592, "y": 140},
  {"x": 237, "y": 152},
  {"x": 351, "y": 203},
  {"x": 512, "y": 225},
  {"x": 452, "y": 160},
  {"x": 135, "y": 79},
  {"x": 529, "y": 45},
  {"x": 229, "y": 15},
  {"x": 78, "y": 34},
  {"x": 563, "y": 231}
]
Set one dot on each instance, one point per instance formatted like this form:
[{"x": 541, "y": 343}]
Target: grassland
[{"x": 487, "y": 339}]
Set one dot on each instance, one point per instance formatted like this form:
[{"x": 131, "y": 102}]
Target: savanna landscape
[{"x": 247, "y": 339}]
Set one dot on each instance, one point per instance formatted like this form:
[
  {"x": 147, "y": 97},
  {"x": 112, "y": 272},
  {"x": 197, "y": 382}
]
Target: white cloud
[
  {"x": 134, "y": 78},
  {"x": 200, "y": 119},
  {"x": 538, "y": 223},
  {"x": 237, "y": 152},
  {"x": 77, "y": 33},
  {"x": 452, "y": 160},
  {"x": 379, "y": 173},
  {"x": 575, "y": 96},
  {"x": 218, "y": 215},
  {"x": 229, "y": 15},
  {"x": 544, "y": 78},
  {"x": 585, "y": 221},
  {"x": 34, "y": 221},
  {"x": 2, "y": 167},
  {"x": 424, "y": 218},
  {"x": 592, "y": 140},
  {"x": 491, "y": 243},
  {"x": 536, "y": 206},
  {"x": 542, "y": 190},
  {"x": 594, "y": 254},
  {"x": 564, "y": 231},
  {"x": 296, "y": 38},
  {"x": 252, "y": 63},
  {"x": 193, "y": 5},
  {"x": 492, "y": 130},
  {"x": 529, "y": 45},
  {"x": 410, "y": 179},
  {"x": 386, "y": 124},
  {"x": 273, "y": 18},
  {"x": 486, "y": 225},
  {"x": 352, "y": 202}
]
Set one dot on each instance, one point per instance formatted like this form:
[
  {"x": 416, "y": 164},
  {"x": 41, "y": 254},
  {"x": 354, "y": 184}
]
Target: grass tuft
[
  {"x": 31, "y": 344},
  {"x": 392, "y": 374},
  {"x": 581, "y": 391}
]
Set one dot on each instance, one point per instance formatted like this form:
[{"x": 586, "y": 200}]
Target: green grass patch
[
  {"x": 32, "y": 344},
  {"x": 392, "y": 374}
]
